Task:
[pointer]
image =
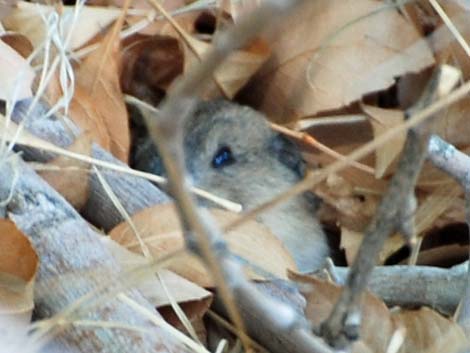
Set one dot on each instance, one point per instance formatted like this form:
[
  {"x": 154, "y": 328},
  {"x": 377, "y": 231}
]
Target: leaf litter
[{"x": 333, "y": 57}]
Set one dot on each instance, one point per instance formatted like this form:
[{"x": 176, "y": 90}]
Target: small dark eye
[{"x": 222, "y": 157}]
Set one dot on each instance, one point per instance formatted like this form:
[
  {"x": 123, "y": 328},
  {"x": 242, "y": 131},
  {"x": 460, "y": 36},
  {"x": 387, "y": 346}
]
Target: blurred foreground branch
[
  {"x": 393, "y": 214},
  {"x": 202, "y": 236}
]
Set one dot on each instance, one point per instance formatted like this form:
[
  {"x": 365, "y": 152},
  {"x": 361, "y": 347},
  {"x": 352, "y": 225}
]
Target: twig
[
  {"x": 310, "y": 181},
  {"x": 68, "y": 247},
  {"x": 457, "y": 164},
  {"x": 136, "y": 193},
  {"x": 452, "y": 161},
  {"x": 167, "y": 132},
  {"x": 54, "y": 137},
  {"x": 308, "y": 139},
  {"x": 412, "y": 286},
  {"x": 344, "y": 322},
  {"x": 463, "y": 317}
]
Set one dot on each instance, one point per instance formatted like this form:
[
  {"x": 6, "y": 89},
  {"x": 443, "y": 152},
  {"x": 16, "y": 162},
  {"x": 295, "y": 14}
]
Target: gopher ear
[{"x": 288, "y": 154}]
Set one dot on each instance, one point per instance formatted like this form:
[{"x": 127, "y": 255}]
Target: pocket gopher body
[{"x": 231, "y": 151}]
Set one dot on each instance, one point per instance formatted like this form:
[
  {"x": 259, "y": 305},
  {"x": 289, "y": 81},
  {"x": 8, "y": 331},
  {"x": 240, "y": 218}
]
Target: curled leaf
[
  {"x": 18, "y": 266},
  {"x": 159, "y": 228}
]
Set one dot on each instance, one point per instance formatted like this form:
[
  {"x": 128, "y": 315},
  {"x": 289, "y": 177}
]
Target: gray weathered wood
[
  {"x": 73, "y": 262},
  {"x": 134, "y": 193}
]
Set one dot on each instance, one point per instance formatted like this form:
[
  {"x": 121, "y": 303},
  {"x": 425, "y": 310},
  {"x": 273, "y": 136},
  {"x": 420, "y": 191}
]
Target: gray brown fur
[{"x": 265, "y": 164}]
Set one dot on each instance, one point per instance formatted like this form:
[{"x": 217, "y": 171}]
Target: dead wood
[
  {"x": 133, "y": 192},
  {"x": 73, "y": 264}
]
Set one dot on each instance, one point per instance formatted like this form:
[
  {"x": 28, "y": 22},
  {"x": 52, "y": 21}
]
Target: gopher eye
[{"x": 222, "y": 157}]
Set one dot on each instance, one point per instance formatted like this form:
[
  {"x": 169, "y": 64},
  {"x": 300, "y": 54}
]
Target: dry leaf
[
  {"x": 18, "y": 42},
  {"x": 351, "y": 209},
  {"x": 437, "y": 208},
  {"x": 321, "y": 296},
  {"x": 26, "y": 19},
  {"x": 240, "y": 66},
  {"x": 458, "y": 14},
  {"x": 82, "y": 112},
  {"x": 160, "y": 228},
  {"x": 352, "y": 240},
  {"x": 182, "y": 290},
  {"x": 330, "y": 53},
  {"x": 163, "y": 27},
  {"x": 453, "y": 123},
  {"x": 383, "y": 120},
  {"x": 149, "y": 66},
  {"x": 350, "y": 243},
  {"x": 428, "y": 331},
  {"x": 423, "y": 329},
  {"x": 164, "y": 288},
  {"x": 99, "y": 75},
  {"x": 16, "y": 75},
  {"x": 18, "y": 266},
  {"x": 235, "y": 71},
  {"x": 69, "y": 176},
  {"x": 435, "y": 204}
]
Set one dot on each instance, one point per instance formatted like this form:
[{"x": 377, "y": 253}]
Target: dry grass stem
[
  {"x": 310, "y": 140},
  {"x": 310, "y": 181}
]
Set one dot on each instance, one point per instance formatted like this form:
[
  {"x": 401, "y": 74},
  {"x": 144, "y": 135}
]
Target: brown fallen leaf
[
  {"x": 321, "y": 296},
  {"x": 453, "y": 125},
  {"x": 159, "y": 227},
  {"x": 428, "y": 331},
  {"x": 18, "y": 42},
  {"x": 99, "y": 75},
  {"x": 423, "y": 329},
  {"x": 383, "y": 120},
  {"x": 351, "y": 241},
  {"x": 240, "y": 66},
  {"x": 458, "y": 12},
  {"x": 350, "y": 207},
  {"x": 235, "y": 71},
  {"x": 164, "y": 287},
  {"x": 181, "y": 289},
  {"x": 27, "y": 19},
  {"x": 69, "y": 176},
  {"x": 16, "y": 75},
  {"x": 149, "y": 66},
  {"x": 18, "y": 266},
  {"x": 437, "y": 208},
  {"x": 82, "y": 112},
  {"x": 330, "y": 53}
]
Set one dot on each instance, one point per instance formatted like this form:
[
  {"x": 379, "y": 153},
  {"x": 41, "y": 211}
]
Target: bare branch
[
  {"x": 412, "y": 286},
  {"x": 457, "y": 164},
  {"x": 68, "y": 249},
  {"x": 343, "y": 324},
  {"x": 167, "y": 133}
]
